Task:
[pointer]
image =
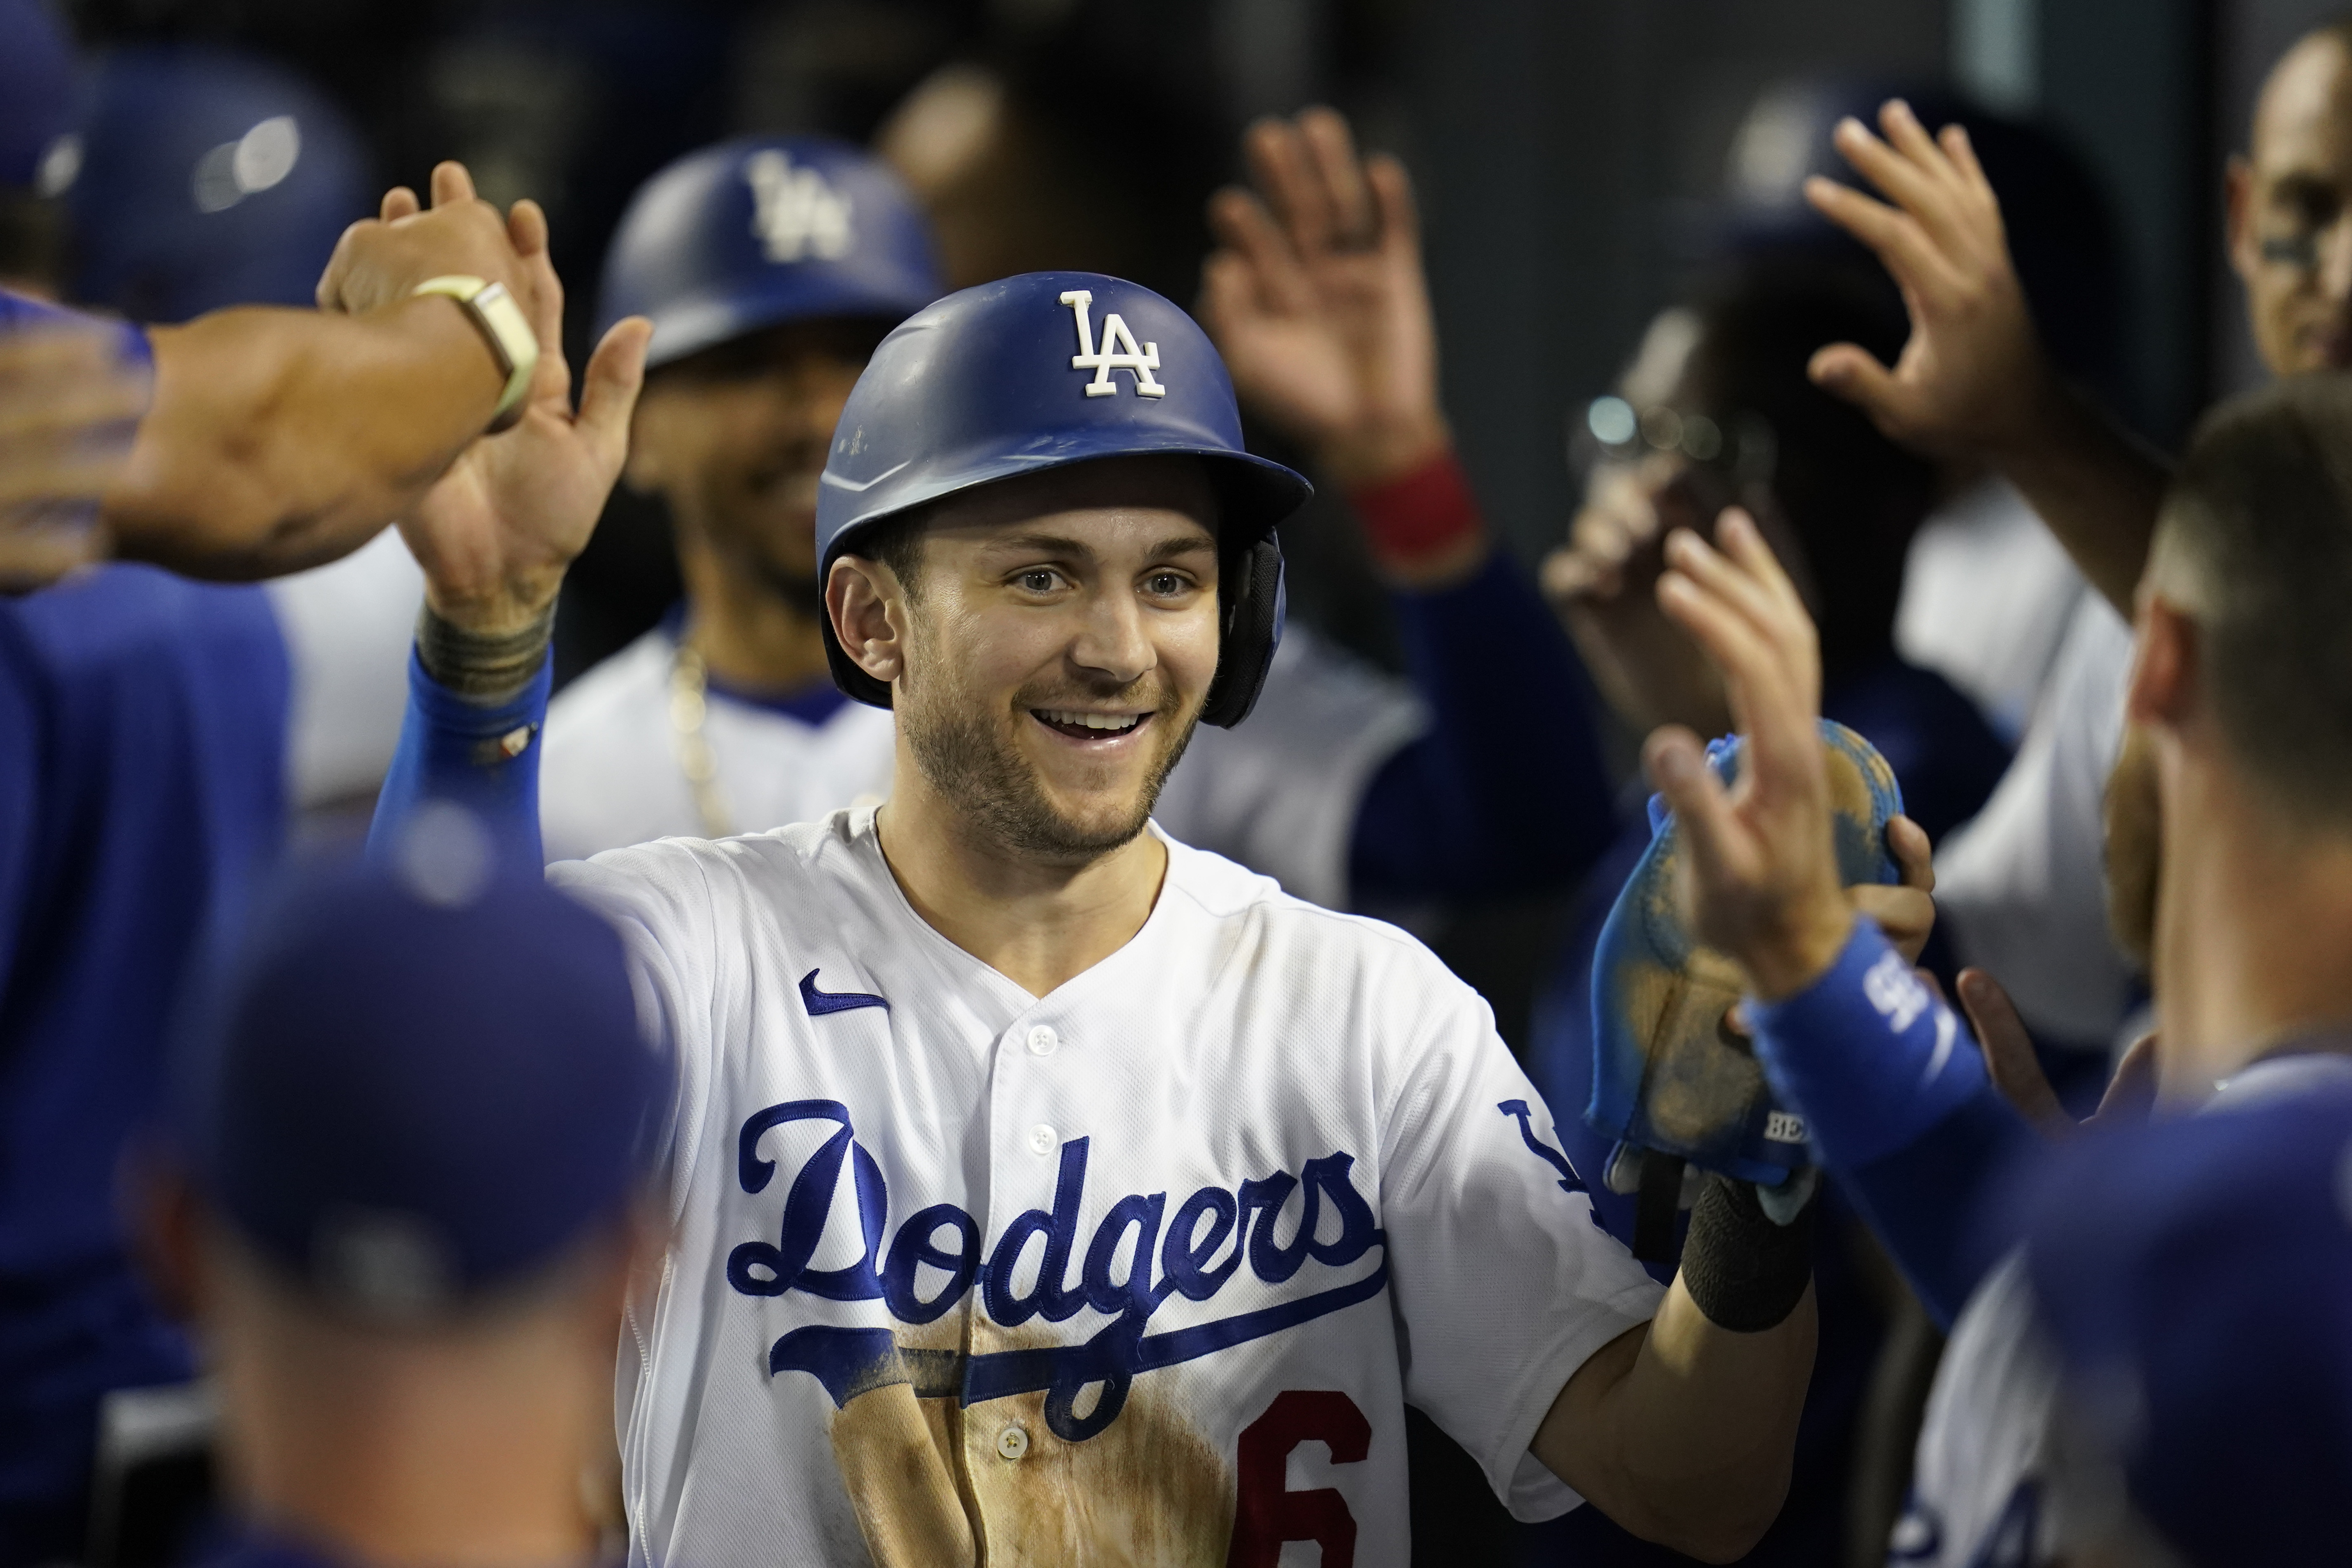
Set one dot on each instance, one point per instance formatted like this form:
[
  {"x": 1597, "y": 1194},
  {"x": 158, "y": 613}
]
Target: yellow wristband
[{"x": 501, "y": 320}]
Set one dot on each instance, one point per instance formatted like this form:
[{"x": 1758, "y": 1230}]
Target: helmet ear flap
[{"x": 1252, "y": 602}]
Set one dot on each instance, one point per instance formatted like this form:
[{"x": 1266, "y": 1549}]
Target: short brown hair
[
  {"x": 2254, "y": 542},
  {"x": 897, "y": 542}
]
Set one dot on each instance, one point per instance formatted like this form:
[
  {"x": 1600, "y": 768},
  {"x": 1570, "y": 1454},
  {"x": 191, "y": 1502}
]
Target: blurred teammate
[
  {"x": 1987, "y": 595},
  {"x": 990, "y": 1096},
  {"x": 772, "y": 267},
  {"x": 400, "y": 1201},
  {"x": 2024, "y": 894},
  {"x": 144, "y": 715},
  {"x": 204, "y": 179},
  {"x": 2235, "y": 685},
  {"x": 2196, "y": 1279},
  {"x": 1716, "y": 411}
]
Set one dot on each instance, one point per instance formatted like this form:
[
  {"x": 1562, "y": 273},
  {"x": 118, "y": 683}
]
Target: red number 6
[{"x": 1265, "y": 1513}]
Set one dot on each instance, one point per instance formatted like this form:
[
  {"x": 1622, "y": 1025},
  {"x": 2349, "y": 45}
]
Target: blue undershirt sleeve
[
  {"x": 1899, "y": 1108},
  {"x": 1506, "y": 792},
  {"x": 483, "y": 759}
]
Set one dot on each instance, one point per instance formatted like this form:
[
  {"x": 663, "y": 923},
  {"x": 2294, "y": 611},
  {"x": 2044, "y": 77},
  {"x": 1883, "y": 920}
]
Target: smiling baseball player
[{"x": 1045, "y": 1190}]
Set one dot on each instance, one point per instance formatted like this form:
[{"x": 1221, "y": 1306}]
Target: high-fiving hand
[
  {"x": 1316, "y": 298},
  {"x": 1972, "y": 379},
  {"x": 1765, "y": 878},
  {"x": 380, "y": 261},
  {"x": 496, "y": 533}
]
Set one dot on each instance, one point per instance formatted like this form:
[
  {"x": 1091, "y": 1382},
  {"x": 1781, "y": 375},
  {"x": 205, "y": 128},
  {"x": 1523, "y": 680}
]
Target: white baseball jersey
[
  {"x": 1142, "y": 1271},
  {"x": 1278, "y": 793},
  {"x": 1987, "y": 595},
  {"x": 347, "y": 627},
  {"x": 610, "y": 773},
  {"x": 2024, "y": 888},
  {"x": 1981, "y": 1491}
]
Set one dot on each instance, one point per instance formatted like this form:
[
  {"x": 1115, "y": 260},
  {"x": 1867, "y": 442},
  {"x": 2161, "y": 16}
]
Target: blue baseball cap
[
  {"x": 38, "y": 101},
  {"x": 2196, "y": 1275},
  {"x": 419, "y": 1083},
  {"x": 763, "y": 230},
  {"x": 208, "y": 179}
]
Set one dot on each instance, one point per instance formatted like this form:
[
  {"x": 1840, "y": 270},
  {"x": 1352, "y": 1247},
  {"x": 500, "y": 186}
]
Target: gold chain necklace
[{"x": 690, "y": 704}]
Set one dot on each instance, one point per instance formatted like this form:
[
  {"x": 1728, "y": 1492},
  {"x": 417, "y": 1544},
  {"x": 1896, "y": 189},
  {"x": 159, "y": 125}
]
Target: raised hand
[
  {"x": 2017, "y": 1072},
  {"x": 381, "y": 260},
  {"x": 1316, "y": 298},
  {"x": 70, "y": 408},
  {"x": 1972, "y": 379},
  {"x": 496, "y": 533},
  {"x": 1603, "y": 585},
  {"x": 1764, "y": 873}
]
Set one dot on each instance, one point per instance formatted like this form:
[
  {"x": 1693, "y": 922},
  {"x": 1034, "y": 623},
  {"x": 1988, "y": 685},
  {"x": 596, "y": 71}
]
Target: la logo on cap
[
  {"x": 795, "y": 213},
  {"x": 1117, "y": 350}
]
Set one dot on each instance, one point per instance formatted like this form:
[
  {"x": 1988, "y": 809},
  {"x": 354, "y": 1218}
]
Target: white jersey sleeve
[
  {"x": 1279, "y": 791},
  {"x": 348, "y": 627},
  {"x": 1126, "y": 1272},
  {"x": 1504, "y": 1282},
  {"x": 2024, "y": 886}
]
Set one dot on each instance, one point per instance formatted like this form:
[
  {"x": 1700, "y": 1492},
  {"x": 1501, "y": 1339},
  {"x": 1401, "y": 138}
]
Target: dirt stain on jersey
[{"x": 937, "y": 1483}]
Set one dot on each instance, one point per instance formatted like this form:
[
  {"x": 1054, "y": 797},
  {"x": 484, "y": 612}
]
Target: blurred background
[{"x": 1574, "y": 159}]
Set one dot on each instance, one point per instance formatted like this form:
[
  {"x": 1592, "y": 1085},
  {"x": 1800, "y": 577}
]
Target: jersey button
[
  {"x": 1013, "y": 1442},
  {"x": 1042, "y": 1041},
  {"x": 1041, "y": 1138}
]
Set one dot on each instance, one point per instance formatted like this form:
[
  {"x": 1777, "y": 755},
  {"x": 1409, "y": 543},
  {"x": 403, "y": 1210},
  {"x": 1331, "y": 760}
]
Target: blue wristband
[
  {"x": 1868, "y": 1054},
  {"x": 484, "y": 759}
]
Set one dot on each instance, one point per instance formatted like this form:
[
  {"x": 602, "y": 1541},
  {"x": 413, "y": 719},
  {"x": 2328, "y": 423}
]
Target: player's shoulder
[
  {"x": 709, "y": 880},
  {"x": 1319, "y": 942}
]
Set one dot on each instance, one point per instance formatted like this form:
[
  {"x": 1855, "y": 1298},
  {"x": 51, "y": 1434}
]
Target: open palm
[
  {"x": 1316, "y": 298},
  {"x": 496, "y": 533}
]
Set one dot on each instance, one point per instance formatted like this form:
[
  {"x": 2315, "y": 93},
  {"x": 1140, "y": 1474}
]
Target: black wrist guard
[
  {"x": 488, "y": 669},
  {"x": 1745, "y": 1273}
]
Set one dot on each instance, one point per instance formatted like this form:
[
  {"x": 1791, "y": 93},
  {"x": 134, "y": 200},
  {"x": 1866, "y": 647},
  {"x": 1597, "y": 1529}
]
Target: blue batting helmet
[
  {"x": 763, "y": 230},
  {"x": 208, "y": 179},
  {"x": 1039, "y": 372}
]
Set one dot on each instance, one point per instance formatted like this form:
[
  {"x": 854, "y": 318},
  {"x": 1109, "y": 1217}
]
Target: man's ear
[
  {"x": 2164, "y": 664},
  {"x": 2238, "y": 204},
  {"x": 867, "y": 608}
]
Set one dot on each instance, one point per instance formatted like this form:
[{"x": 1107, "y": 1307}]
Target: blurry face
[
  {"x": 1677, "y": 465},
  {"x": 734, "y": 439},
  {"x": 1061, "y": 637},
  {"x": 2290, "y": 212}
]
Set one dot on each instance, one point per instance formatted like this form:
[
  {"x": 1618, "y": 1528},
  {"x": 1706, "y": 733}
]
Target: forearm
[
  {"x": 470, "y": 738},
  {"x": 278, "y": 439},
  {"x": 2094, "y": 485},
  {"x": 1507, "y": 790},
  {"x": 1689, "y": 1438},
  {"x": 1898, "y": 1107}
]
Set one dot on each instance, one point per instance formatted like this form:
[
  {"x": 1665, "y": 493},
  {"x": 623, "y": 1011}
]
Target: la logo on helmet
[
  {"x": 1117, "y": 350},
  {"x": 795, "y": 213}
]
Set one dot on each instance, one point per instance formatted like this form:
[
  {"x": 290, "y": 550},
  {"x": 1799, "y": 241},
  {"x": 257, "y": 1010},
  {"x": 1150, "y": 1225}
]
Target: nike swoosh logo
[
  {"x": 820, "y": 1003},
  {"x": 856, "y": 486}
]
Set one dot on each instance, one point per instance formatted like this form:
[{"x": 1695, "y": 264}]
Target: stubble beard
[{"x": 975, "y": 764}]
